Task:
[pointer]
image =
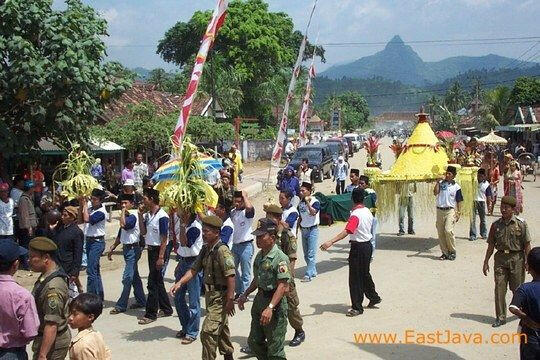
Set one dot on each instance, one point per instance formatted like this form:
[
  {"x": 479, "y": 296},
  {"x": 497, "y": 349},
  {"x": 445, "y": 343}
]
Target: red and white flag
[
  {"x": 282, "y": 132},
  {"x": 218, "y": 18},
  {"x": 305, "y": 105}
]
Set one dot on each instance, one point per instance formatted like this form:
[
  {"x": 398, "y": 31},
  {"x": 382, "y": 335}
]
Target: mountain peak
[{"x": 396, "y": 41}]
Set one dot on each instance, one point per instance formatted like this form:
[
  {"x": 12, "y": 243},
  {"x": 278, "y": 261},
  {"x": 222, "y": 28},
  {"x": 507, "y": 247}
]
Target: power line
[
  {"x": 516, "y": 60},
  {"x": 478, "y": 41},
  {"x": 440, "y": 41},
  {"x": 442, "y": 89}
]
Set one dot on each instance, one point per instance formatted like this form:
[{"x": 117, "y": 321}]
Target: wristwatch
[{"x": 271, "y": 306}]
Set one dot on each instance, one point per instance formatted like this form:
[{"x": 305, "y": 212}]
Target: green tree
[
  {"x": 253, "y": 43},
  {"x": 205, "y": 129},
  {"x": 497, "y": 103},
  {"x": 354, "y": 109},
  {"x": 53, "y": 82},
  {"x": 526, "y": 91},
  {"x": 159, "y": 78},
  {"x": 455, "y": 98},
  {"x": 446, "y": 120},
  {"x": 139, "y": 130}
]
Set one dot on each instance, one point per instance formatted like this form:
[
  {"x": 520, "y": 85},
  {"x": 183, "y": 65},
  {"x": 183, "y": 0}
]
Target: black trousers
[
  {"x": 340, "y": 187},
  {"x": 360, "y": 281},
  {"x": 158, "y": 299}
]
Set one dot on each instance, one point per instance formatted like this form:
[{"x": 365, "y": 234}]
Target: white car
[{"x": 356, "y": 140}]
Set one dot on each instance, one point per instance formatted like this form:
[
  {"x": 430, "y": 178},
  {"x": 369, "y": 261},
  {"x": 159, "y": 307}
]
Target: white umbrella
[{"x": 491, "y": 138}]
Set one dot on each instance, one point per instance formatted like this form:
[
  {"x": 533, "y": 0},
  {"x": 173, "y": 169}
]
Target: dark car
[
  {"x": 319, "y": 159},
  {"x": 348, "y": 148},
  {"x": 337, "y": 149}
]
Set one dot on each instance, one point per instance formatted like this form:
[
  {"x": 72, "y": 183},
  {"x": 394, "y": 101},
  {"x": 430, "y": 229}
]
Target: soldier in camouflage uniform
[
  {"x": 510, "y": 237},
  {"x": 286, "y": 241},
  {"x": 217, "y": 263},
  {"x": 269, "y": 310},
  {"x": 51, "y": 294}
]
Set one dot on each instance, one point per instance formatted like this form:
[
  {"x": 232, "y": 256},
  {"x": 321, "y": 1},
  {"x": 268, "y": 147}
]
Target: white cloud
[
  {"x": 371, "y": 8},
  {"x": 110, "y": 15}
]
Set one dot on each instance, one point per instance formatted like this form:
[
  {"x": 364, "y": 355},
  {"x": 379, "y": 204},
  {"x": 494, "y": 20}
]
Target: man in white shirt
[
  {"x": 128, "y": 236},
  {"x": 341, "y": 171},
  {"x": 359, "y": 231},
  {"x": 355, "y": 178},
  {"x": 304, "y": 172},
  {"x": 190, "y": 243},
  {"x": 289, "y": 149},
  {"x": 309, "y": 209},
  {"x": 242, "y": 216},
  {"x": 449, "y": 198},
  {"x": 140, "y": 170},
  {"x": 95, "y": 218},
  {"x": 154, "y": 226},
  {"x": 227, "y": 229},
  {"x": 17, "y": 190},
  {"x": 7, "y": 207},
  {"x": 483, "y": 194},
  {"x": 290, "y": 213}
]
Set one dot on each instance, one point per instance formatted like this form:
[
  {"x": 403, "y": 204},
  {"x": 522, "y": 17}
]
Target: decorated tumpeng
[
  {"x": 185, "y": 190},
  {"x": 421, "y": 161}
]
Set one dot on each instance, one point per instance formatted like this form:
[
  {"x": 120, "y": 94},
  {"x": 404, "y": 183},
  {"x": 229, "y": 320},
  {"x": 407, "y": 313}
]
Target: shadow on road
[
  {"x": 242, "y": 342},
  {"x": 319, "y": 309},
  {"x": 408, "y": 351},
  {"x": 322, "y": 267},
  {"x": 405, "y": 243},
  {"x": 483, "y": 319},
  {"x": 150, "y": 334}
]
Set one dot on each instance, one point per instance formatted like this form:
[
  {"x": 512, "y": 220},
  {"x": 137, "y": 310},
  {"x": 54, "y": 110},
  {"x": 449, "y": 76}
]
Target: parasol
[
  {"x": 445, "y": 134},
  {"x": 169, "y": 169},
  {"x": 491, "y": 138}
]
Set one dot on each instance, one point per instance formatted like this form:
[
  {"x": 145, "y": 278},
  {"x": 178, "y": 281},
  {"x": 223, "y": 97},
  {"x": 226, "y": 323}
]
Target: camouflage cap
[{"x": 265, "y": 226}]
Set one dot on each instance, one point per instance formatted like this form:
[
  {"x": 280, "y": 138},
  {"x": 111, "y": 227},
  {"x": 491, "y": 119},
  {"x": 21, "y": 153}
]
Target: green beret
[
  {"x": 509, "y": 200},
  {"x": 273, "y": 209},
  {"x": 42, "y": 244},
  {"x": 212, "y": 221}
]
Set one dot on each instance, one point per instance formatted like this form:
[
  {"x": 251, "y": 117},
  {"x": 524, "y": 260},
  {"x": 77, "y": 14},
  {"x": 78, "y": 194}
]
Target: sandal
[
  {"x": 145, "y": 321},
  {"x": 187, "y": 340},
  {"x": 115, "y": 311},
  {"x": 443, "y": 257},
  {"x": 161, "y": 314},
  {"x": 246, "y": 350},
  {"x": 353, "y": 312}
]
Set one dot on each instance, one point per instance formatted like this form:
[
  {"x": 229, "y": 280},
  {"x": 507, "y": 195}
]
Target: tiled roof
[{"x": 164, "y": 102}]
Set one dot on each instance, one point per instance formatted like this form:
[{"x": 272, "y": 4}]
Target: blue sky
[{"x": 135, "y": 26}]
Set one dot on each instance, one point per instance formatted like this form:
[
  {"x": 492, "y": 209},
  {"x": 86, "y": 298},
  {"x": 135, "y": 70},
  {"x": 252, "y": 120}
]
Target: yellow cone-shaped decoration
[{"x": 422, "y": 158}]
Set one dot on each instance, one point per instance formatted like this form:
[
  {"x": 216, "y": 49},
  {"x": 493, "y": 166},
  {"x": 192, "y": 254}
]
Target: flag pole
[
  {"x": 218, "y": 17},
  {"x": 277, "y": 153}
]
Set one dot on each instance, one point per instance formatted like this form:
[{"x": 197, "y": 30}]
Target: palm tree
[
  {"x": 158, "y": 77},
  {"x": 455, "y": 98},
  {"x": 498, "y": 101}
]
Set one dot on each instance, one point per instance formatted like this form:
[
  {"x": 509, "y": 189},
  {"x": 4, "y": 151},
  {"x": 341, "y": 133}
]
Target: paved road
[{"x": 419, "y": 292}]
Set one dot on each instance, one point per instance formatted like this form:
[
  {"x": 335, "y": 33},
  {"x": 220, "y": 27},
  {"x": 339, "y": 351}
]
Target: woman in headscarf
[{"x": 514, "y": 186}]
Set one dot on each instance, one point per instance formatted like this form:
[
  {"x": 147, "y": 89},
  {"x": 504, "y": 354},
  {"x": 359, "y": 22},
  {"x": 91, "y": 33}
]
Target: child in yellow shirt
[{"x": 88, "y": 344}]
